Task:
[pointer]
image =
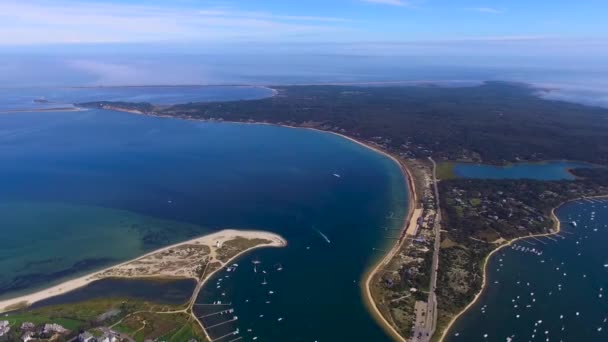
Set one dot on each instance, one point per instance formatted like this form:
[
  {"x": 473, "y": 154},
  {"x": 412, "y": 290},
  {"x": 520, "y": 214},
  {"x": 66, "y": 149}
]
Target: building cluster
[
  {"x": 104, "y": 335},
  {"x": 495, "y": 214},
  {"x": 4, "y": 328},
  {"x": 48, "y": 331},
  {"x": 406, "y": 280},
  {"x": 416, "y": 256},
  {"x": 29, "y": 331}
]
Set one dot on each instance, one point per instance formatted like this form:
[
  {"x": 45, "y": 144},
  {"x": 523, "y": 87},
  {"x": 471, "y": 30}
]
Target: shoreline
[
  {"x": 201, "y": 284},
  {"x": 368, "y": 274},
  {"x": 369, "y": 300},
  {"x": 21, "y": 301},
  {"x": 557, "y": 225},
  {"x": 43, "y": 110}
]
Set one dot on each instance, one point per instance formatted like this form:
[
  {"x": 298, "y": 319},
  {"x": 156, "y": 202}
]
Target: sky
[
  {"x": 556, "y": 22},
  {"x": 556, "y": 43}
]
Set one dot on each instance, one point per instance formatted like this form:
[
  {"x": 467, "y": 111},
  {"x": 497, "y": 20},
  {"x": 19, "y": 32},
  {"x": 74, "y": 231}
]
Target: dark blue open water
[{"x": 81, "y": 190}]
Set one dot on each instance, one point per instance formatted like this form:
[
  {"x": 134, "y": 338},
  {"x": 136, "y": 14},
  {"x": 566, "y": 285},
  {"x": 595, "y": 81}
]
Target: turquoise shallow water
[
  {"x": 45, "y": 242},
  {"x": 95, "y": 187},
  {"x": 559, "y": 295},
  {"x": 551, "y": 170}
]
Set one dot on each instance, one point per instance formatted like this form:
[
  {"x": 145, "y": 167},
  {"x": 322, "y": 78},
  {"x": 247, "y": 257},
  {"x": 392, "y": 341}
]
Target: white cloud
[
  {"x": 388, "y": 2},
  {"x": 75, "y": 22},
  {"x": 486, "y": 10}
]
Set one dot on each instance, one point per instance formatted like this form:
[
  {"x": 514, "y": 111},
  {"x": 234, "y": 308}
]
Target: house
[
  {"x": 28, "y": 326},
  {"x": 4, "y": 328},
  {"x": 109, "y": 336},
  {"x": 28, "y": 336},
  {"x": 54, "y": 328},
  {"x": 86, "y": 337}
]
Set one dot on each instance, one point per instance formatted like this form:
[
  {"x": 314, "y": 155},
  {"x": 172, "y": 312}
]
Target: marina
[{"x": 551, "y": 291}]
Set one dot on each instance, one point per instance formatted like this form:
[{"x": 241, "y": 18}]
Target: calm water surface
[
  {"x": 559, "y": 295},
  {"x": 159, "y": 291},
  {"x": 552, "y": 170},
  {"x": 117, "y": 185}
]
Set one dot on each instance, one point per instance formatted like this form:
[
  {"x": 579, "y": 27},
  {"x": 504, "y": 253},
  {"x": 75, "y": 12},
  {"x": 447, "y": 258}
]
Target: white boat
[{"x": 573, "y": 223}]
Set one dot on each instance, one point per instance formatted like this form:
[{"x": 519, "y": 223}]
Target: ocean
[{"x": 85, "y": 189}]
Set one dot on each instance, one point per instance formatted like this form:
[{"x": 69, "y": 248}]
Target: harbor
[{"x": 546, "y": 288}]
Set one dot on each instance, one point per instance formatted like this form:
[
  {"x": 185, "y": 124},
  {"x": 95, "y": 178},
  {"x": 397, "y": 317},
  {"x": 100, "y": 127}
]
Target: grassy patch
[
  {"x": 475, "y": 201},
  {"x": 94, "y": 313},
  {"x": 157, "y": 326},
  {"x": 447, "y": 243},
  {"x": 445, "y": 170},
  {"x": 233, "y": 247}
]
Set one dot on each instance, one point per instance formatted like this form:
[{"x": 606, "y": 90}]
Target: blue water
[
  {"x": 164, "y": 292},
  {"x": 197, "y": 177},
  {"x": 551, "y": 170},
  {"x": 557, "y": 296}
]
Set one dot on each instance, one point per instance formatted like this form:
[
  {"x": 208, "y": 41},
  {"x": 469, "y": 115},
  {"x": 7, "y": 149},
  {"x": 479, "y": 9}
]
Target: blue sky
[
  {"x": 36, "y": 22},
  {"x": 92, "y": 42}
]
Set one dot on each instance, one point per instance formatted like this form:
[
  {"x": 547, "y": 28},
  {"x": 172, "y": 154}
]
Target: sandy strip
[
  {"x": 210, "y": 240},
  {"x": 38, "y": 110},
  {"x": 558, "y": 227}
]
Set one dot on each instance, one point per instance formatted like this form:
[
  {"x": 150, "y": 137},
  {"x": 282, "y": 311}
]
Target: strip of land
[
  {"x": 556, "y": 230},
  {"x": 484, "y": 216},
  {"x": 181, "y": 260}
]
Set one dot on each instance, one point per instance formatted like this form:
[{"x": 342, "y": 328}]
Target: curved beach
[
  {"x": 411, "y": 217},
  {"x": 217, "y": 238},
  {"x": 557, "y": 229}
]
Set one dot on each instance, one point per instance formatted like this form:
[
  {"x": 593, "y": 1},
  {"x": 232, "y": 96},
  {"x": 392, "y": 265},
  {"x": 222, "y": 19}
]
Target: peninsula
[
  {"x": 197, "y": 259},
  {"x": 434, "y": 269}
]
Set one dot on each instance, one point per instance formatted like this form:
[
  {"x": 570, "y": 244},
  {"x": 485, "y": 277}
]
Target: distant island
[
  {"x": 436, "y": 267},
  {"x": 198, "y": 259}
]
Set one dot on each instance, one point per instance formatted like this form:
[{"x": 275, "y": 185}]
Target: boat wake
[{"x": 322, "y": 235}]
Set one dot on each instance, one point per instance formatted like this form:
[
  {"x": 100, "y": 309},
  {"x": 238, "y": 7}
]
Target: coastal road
[{"x": 432, "y": 301}]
